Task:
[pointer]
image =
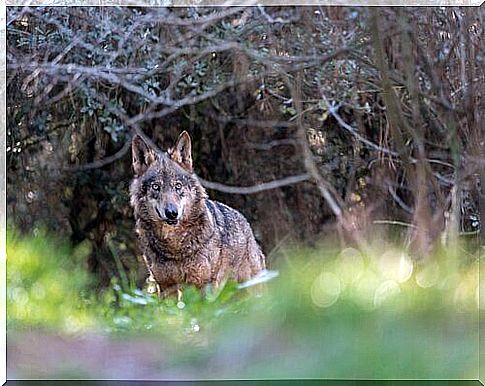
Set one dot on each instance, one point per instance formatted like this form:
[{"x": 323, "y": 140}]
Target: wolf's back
[{"x": 237, "y": 240}]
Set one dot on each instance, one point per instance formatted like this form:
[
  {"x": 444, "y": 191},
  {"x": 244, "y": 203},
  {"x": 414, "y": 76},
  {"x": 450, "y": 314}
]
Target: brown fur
[{"x": 207, "y": 243}]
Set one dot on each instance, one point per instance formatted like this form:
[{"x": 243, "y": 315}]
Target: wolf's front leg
[
  {"x": 174, "y": 290},
  {"x": 152, "y": 286}
]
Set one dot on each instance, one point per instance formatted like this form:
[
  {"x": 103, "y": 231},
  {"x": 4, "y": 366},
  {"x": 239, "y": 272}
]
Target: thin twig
[
  {"x": 332, "y": 109},
  {"x": 399, "y": 201},
  {"x": 394, "y": 222},
  {"x": 102, "y": 162},
  {"x": 311, "y": 167}
]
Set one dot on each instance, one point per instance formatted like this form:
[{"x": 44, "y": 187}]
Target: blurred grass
[
  {"x": 46, "y": 284},
  {"x": 330, "y": 313}
]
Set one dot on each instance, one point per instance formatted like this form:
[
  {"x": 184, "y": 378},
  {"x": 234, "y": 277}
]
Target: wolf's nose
[{"x": 171, "y": 212}]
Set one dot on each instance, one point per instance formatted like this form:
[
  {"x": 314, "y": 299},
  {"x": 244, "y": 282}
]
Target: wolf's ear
[
  {"x": 142, "y": 155},
  {"x": 182, "y": 151}
]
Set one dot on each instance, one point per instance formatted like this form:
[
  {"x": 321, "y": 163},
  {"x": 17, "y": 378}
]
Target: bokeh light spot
[
  {"x": 385, "y": 291},
  {"x": 428, "y": 275},
  {"x": 351, "y": 265},
  {"x": 395, "y": 265},
  {"x": 365, "y": 288},
  {"x": 325, "y": 289}
]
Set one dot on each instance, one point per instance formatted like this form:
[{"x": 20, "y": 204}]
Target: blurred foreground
[{"x": 331, "y": 313}]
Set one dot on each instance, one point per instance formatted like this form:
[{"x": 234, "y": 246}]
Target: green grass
[{"x": 330, "y": 313}]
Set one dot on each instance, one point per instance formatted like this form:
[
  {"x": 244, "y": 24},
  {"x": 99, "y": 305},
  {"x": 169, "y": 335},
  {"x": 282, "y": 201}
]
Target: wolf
[{"x": 186, "y": 238}]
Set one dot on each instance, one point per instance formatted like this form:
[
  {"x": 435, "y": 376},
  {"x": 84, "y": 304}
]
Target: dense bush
[{"x": 366, "y": 103}]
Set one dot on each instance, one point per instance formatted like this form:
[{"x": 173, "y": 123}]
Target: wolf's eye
[
  {"x": 178, "y": 185},
  {"x": 156, "y": 187}
]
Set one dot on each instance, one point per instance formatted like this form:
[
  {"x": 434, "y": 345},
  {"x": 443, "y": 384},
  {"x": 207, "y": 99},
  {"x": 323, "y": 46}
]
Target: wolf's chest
[{"x": 193, "y": 271}]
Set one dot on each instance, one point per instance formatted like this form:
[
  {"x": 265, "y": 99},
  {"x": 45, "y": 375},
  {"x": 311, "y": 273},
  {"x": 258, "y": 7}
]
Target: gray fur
[{"x": 207, "y": 243}]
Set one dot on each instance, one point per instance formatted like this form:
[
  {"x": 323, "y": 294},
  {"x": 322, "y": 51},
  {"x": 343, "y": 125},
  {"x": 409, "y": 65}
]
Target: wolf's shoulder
[{"x": 225, "y": 215}]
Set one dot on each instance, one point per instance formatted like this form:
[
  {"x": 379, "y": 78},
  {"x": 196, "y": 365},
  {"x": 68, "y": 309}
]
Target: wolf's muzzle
[{"x": 171, "y": 212}]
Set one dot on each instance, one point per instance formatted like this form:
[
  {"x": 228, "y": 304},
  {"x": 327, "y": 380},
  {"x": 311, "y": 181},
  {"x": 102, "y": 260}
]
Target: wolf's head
[{"x": 165, "y": 190}]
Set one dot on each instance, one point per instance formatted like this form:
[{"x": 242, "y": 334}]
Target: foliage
[
  {"x": 387, "y": 100},
  {"x": 377, "y": 110},
  {"x": 47, "y": 283},
  {"x": 330, "y": 313}
]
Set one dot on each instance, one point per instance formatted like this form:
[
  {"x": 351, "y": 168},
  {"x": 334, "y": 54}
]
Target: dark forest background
[{"x": 312, "y": 121}]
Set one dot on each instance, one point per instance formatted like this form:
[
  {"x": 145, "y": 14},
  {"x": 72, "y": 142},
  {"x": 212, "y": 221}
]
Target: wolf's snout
[{"x": 171, "y": 212}]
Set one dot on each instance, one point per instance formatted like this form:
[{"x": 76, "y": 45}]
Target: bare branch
[
  {"x": 102, "y": 162},
  {"x": 255, "y": 188},
  {"x": 399, "y": 201},
  {"x": 332, "y": 109},
  {"x": 312, "y": 169}
]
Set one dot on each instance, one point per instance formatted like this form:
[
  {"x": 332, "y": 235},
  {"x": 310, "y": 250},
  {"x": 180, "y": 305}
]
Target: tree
[{"x": 314, "y": 111}]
